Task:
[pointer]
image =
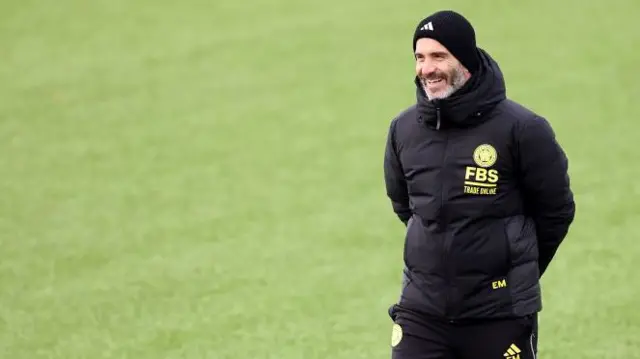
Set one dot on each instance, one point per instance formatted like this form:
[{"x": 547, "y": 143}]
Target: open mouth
[{"x": 435, "y": 81}]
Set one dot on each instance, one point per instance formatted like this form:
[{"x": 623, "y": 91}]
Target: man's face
[{"x": 440, "y": 73}]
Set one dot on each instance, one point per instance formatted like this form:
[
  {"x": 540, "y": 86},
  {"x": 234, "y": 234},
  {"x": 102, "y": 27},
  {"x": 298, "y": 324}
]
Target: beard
[{"x": 454, "y": 79}]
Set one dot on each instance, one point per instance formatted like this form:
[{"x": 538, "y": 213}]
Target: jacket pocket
[
  {"x": 508, "y": 246},
  {"x": 521, "y": 237}
]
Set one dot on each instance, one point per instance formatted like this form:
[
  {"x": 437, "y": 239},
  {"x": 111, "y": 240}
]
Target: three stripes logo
[
  {"x": 427, "y": 26},
  {"x": 513, "y": 352}
]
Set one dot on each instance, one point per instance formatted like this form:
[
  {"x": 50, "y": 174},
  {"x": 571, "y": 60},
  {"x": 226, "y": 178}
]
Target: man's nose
[{"x": 426, "y": 68}]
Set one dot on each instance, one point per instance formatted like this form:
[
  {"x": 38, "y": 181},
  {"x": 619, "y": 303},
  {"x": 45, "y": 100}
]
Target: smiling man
[
  {"x": 439, "y": 72},
  {"x": 483, "y": 187}
]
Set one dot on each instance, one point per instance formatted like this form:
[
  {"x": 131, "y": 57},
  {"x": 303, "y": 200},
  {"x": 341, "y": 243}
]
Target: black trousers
[{"x": 420, "y": 337}]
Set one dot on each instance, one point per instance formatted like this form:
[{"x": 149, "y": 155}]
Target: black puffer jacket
[{"x": 483, "y": 187}]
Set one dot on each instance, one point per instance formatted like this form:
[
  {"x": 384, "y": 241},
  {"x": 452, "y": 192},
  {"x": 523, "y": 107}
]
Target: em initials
[{"x": 499, "y": 284}]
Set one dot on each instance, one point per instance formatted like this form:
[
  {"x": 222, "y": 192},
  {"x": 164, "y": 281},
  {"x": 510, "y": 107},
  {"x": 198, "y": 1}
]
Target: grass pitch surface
[{"x": 204, "y": 179}]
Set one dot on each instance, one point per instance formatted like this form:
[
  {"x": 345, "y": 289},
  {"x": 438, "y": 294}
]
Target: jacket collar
[{"x": 467, "y": 106}]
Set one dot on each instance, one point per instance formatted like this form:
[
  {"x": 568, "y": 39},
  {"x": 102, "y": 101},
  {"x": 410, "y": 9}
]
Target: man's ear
[{"x": 466, "y": 73}]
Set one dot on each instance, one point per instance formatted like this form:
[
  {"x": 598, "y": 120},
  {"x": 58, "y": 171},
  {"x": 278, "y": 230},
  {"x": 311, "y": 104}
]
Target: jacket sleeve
[
  {"x": 547, "y": 194},
  {"x": 395, "y": 181}
]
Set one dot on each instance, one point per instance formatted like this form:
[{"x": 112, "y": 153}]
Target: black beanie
[{"x": 454, "y": 32}]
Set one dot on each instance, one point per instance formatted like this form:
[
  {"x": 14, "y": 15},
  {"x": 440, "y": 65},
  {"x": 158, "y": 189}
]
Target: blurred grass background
[{"x": 204, "y": 179}]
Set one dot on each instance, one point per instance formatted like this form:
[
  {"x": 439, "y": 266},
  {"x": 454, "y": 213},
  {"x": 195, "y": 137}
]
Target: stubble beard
[{"x": 458, "y": 80}]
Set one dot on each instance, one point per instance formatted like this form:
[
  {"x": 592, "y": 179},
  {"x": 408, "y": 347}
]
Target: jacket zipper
[
  {"x": 443, "y": 217},
  {"x": 447, "y": 242}
]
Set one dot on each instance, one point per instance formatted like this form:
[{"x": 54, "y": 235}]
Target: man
[{"x": 482, "y": 185}]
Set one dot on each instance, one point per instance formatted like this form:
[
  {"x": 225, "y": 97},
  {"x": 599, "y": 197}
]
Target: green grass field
[{"x": 204, "y": 179}]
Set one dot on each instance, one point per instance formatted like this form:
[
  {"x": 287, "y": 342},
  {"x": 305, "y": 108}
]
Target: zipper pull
[{"x": 438, "y": 116}]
